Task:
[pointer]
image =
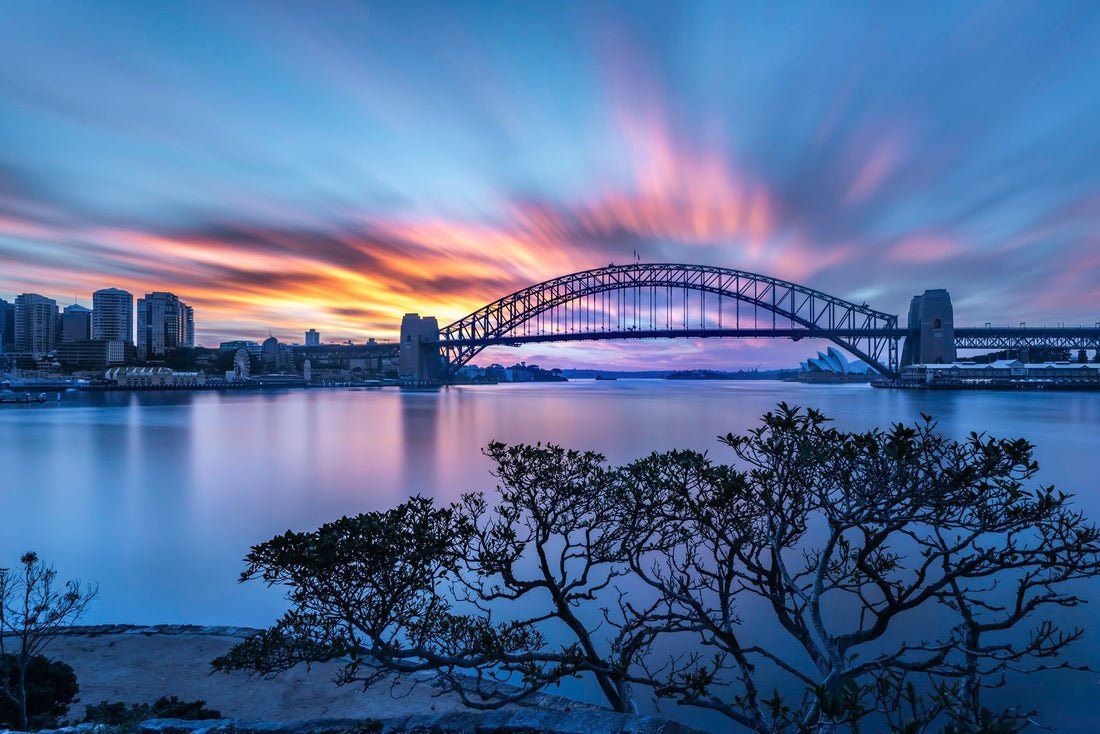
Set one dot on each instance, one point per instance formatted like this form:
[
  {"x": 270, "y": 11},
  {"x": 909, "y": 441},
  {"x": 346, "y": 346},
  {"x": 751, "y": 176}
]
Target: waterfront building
[
  {"x": 1002, "y": 373},
  {"x": 36, "y": 321},
  {"x": 7, "y": 326},
  {"x": 164, "y": 323},
  {"x": 154, "y": 377},
  {"x": 113, "y": 315},
  {"x": 76, "y": 323},
  {"x": 832, "y": 361},
  {"x": 832, "y": 366},
  {"x": 313, "y": 338}
]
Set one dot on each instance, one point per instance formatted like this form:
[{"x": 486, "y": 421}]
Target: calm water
[{"x": 157, "y": 497}]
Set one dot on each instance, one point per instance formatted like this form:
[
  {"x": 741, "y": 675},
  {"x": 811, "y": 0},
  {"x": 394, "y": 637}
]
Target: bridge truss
[
  {"x": 671, "y": 301},
  {"x": 1009, "y": 338}
]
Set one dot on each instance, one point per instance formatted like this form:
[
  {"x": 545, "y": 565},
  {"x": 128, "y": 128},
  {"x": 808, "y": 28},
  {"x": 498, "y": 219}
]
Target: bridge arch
[{"x": 864, "y": 332}]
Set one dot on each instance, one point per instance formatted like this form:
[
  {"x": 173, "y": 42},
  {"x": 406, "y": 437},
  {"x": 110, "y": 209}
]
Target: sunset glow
[{"x": 363, "y": 180}]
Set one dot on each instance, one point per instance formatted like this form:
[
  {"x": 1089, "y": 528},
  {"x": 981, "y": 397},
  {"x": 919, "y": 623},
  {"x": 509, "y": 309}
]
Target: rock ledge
[{"x": 495, "y": 722}]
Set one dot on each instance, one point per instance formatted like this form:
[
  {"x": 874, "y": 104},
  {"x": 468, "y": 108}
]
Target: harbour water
[{"x": 158, "y": 496}]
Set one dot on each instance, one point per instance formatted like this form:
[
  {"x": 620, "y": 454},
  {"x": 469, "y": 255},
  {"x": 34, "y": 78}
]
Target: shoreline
[{"x": 140, "y": 663}]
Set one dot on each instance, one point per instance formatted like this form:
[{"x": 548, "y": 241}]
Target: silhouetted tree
[
  {"x": 33, "y": 609},
  {"x": 847, "y": 538},
  {"x": 380, "y": 588},
  {"x": 891, "y": 572}
]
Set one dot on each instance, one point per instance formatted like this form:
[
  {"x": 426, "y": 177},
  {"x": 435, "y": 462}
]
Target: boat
[{"x": 601, "y": 377}]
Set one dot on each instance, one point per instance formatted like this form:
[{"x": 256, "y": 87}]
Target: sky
[{"x": 334, "y": 165}]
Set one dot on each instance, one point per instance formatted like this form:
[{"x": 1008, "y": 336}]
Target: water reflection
[
  {"x": 419, "y": 418},
  {"x": 159, "y": 496}
]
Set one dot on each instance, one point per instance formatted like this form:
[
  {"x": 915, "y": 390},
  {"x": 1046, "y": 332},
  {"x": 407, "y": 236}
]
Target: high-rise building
[
  {"x": 313, "y": 338},
  {"x": 76, "y": 323},
  {"x": 113, "y": 315},
  {"x": 36, "y": 320},
  {"x": 164, "y": 323},
  {"x": 7, "y": 326},
  {"x": 188, "y": 325}
]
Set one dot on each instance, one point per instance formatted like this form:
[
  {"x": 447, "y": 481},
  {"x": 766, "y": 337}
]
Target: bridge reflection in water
[{"x": 661, "y": 301}]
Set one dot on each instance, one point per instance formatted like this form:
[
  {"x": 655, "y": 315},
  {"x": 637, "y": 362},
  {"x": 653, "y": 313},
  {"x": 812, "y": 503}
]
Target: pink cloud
[
  {"x": 874, "y": 171},
  {"x": 925, "y": 248}
]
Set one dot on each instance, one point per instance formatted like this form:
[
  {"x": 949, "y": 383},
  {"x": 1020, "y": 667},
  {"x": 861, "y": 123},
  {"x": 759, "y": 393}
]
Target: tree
[
  {"x": 381, "y": 588},
  {"x": 33, "y": 609},
  {"x": 550, "y": 542},
  {"x": 834, "y": 544},
  {"x": 844, "y": 539}
]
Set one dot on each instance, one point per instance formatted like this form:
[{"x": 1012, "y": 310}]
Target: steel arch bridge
[{"x": 629, "y": 301}]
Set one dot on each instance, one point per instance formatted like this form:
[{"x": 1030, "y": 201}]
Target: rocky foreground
[{"x": 140, "y": 664}]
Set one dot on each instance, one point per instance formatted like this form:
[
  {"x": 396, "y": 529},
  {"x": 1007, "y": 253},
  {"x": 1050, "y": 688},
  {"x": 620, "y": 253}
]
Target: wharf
[
  {"x": 994, "y": 386},
  {"x": 22, "y": 398}
]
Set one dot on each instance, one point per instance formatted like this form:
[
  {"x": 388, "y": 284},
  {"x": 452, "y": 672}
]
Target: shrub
[
  {"x": 126, "y": 718},
  {"x": 51, "y": 688}
]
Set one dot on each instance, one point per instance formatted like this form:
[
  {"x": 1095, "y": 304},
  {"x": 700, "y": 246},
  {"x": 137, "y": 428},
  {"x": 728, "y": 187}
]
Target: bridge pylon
[
  {"x": 420, "y": 362},
  {"x": 931, "y": 338}
]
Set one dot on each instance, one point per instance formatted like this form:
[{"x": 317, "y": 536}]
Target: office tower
[
  {"x": 188, "y": 325},
  {"x": 164, "y": 323},
  {"x": 36, "y": 320},
  {"x": 76, "y": 323},
  {"x": 113, "y": 315},
  {"x": 7, "y": 326},
  {"x": 313, "y": 338}
]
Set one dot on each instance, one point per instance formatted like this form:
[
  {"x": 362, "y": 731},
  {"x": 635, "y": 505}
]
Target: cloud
[
  {"x": 924, "y": 248},
  {"x": 434, "y": 164}
]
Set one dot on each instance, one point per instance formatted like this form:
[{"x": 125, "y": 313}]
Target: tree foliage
[
  {"x": 848, "y": 539},
  {"x": 821, "y": 580},
  {"x": 51, "y": 688},
  {"x": 34, "y": 607}
]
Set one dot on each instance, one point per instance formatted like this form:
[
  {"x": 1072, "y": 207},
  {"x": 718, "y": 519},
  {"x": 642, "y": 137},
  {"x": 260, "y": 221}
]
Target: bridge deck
[
  {"x": 705, "y": 333},
  {"x": 966, "y": 337}
]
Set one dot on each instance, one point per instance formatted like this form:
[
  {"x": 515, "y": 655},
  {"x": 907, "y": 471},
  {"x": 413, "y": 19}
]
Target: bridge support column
[
  {"x": 932, "y": 330},
  {"x": 419, "y": 361}
]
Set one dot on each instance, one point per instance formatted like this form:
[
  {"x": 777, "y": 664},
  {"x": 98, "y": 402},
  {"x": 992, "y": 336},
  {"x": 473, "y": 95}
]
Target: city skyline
[{"x": 417, "y": 159}]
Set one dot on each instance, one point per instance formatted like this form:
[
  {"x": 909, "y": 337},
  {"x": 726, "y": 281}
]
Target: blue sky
[{"x": 334, "y": 165}]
